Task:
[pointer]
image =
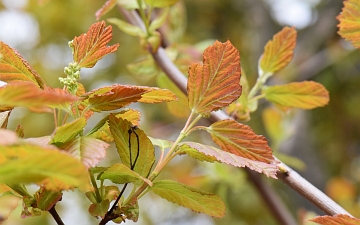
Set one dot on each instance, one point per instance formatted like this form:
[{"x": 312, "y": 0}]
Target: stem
[
  {"x": 257, "y": 98},
  {"x": 93, "y": 182},
  {"x": 56, "y": 216},
  {"x": 255, "y": 88}
]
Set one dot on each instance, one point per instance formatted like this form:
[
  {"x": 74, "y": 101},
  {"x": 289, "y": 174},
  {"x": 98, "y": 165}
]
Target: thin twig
[{"x": 56, "y": 216}]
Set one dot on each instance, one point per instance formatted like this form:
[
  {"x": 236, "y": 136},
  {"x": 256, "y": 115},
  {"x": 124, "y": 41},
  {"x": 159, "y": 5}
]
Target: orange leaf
[
  {"x": 304, "y": 95},
  {"x": 216, "y": 83},
  {"x": 279, "y": 51},
  {"x": 240, "y": 140},
  {"x": 13, "y": 67},
  {"x": 349, "y": 26},
  {"x": 109, "y": 4},
  {"x": 91, "y": 47},
  {"x": 234, "y": 160},
  {"x": 29, "y": 95},
  {"x": 117, "y": 96},
  {"x": 339, "y": 219}
]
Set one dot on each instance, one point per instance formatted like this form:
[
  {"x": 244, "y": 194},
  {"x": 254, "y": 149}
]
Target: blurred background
[{"x": 323, "y": 144}]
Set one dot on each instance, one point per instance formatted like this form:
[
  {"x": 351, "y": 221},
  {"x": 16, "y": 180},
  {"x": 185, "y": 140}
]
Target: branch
[
  {"x": 56, "y": 216},
  {"x": 287, "y": 175}
]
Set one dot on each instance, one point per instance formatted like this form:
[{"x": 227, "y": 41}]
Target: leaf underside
[
  {"x": 109, "y": 4},
  {"x": 349, "y": 18},
  {"x": 216, "y": 83},
  {"x": 340, "y": 219}
]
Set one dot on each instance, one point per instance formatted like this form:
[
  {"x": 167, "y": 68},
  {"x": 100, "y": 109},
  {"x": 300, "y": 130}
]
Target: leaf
[
  {"x": 55, "y": 170},
  {"x": 4, "y": 118},
  {"x": 304, "y": 95},
  {"x": 7, "y": 138},
  {"x": 240, "y": 140},
  {"x": 127, "y": 27},
  {"x": 349, "y": 26},
  {"x": 8, "y": 203},
  {"x": 121, "y": 174},
  {"x": 340, "y": 219},
  {"x": 29, "y": 95},
  {"x": 161, "y": 3},
  {"x": 109, "y": 5},
  {"x": 102, "y": 131},
  {"x": 99, "y": 209},
  {"x": 88, "y": 150},
  {"x": 118, "y": 96},
  {"x": 120, "y": 131},
  {"x": 159, "y": 20},
  {"x": 13, "y": 67},
  {"x": 163, "y": 144},
  {"x": 196, "y": 154},
  {"x": 91, "y": 47},
  {"x": 232, "y": 159},
  {"x": 196, "y": 200},
  {"x": 68, "y": 131},
  {"x": 216, "y": 83},
  {"x": 279, "y": 51},
  {"x": 46, "y": 199}
]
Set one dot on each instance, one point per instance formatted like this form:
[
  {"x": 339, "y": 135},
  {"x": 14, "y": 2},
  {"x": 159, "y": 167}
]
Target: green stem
[
  {"x": 257, "y": 98},
  {"x": 255, "y": 89},
  {"x": 93, "y": 182}
]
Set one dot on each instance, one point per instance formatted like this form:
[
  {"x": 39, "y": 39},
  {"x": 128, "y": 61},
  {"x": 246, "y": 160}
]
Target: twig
[{"x": 56, "y": 216}]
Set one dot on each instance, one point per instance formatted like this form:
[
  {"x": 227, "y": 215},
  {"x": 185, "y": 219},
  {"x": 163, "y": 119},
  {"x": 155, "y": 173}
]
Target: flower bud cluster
[{"x": 72, "y": 75}]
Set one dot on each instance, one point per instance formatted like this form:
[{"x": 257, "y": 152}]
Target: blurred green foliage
[{"x": 327, "y": 139}]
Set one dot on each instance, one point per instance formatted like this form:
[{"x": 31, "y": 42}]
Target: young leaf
[
  {"x": 28, "y": 163},
  {"x": 4, "y": 117},
  {"x": 304, "y": 95},
  {"x": 7, "y": 138},
  {"x": 339, "y": 219},
  {"x": 349, "y": 18},
  {"x": 8, "y": 203},
  {"x": 118, "y": 96},
  {"x": 120, "y": 131},
  {"x": 120, "y": 174},
  {"x": 231, "y": 159},
  {"x": 279, "y": 51},
  {"x": 130, "y": 4},
  {"x": 216, "y": 83},
  {"x": 68, "y": 131},
  {"x": 196, "y": 200},
  {"x": 109, "y": 4},
  {"x": 127, "y": 27},
  {"x": 29, "y": 95},
  {"x": 161, "y": 3},
  {"x": 99, "y": 209},
  {"x": 87, "y": 149},
  {"x": 45, "y": 199},
  {"x": 240, "y": 140},
  {"x": 91, "y": 47},
  {"x": 13, "y": 67},
  {"x": 158, "y": 21},
  {"x": 185, "y": 148}
]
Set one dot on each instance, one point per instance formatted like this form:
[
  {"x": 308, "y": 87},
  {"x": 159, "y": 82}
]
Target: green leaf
[
  {"x": 46, "y": 199},
  {"x": 349, "y": 18},
  {"x": 340, "y": 219},
  {"x": 196, "y": 200},
  {"x": 216, "y": 83},
  {"x": 161, "y": 3},
  {"x": 163, "y": 144},
  {"x": 159, "y": 20},
  {"x": 99, "y": 209},
  {"x": 304, "y": 95},
  {"x": 127, "y": 27},
  {"x": 120, "y": 174},
  {"x": 130, "y": 4},
  {"x": 89, "y": 48},
  {"x": 278, "y": 52},
  {"x": 196, "y": 154},
  {"x": 68, "y": 131},
  {"x": 109, "y": 5},
  {"x": 55, "y": 170},
  {"x": 231, "y": 159},
  {"x": 29, "y": 95},
  {"x": 120, "y": 131},
  {"x": 240, "y": 140},
  {"x": 90, "y": 151},
  {"x": 13, "y": 67}
]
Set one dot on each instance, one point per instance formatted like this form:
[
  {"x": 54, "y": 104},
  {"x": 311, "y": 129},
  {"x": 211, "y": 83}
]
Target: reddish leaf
[
  {"x": 340, "y": 219},
  {"x": 240, "y": 140},
  {"x": 13, "y": 67},
  {"x": 87, "y": 149},
  {"x": 279, "y": 51},
  {"x": 234, "y": 160},
  {"x": 109, "y": 4},
  {"x": 304, "y": 95},
  {"x": 46, "y": 199},
  {"x": 216, "y": 83},
  {"x": 349, "y": 26},
  {"x": 118, "y": 96},
  {"x": 81, "y": 107},
  {"x": 29, "y": 95},
  {"x": 91, "y": 47}
]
